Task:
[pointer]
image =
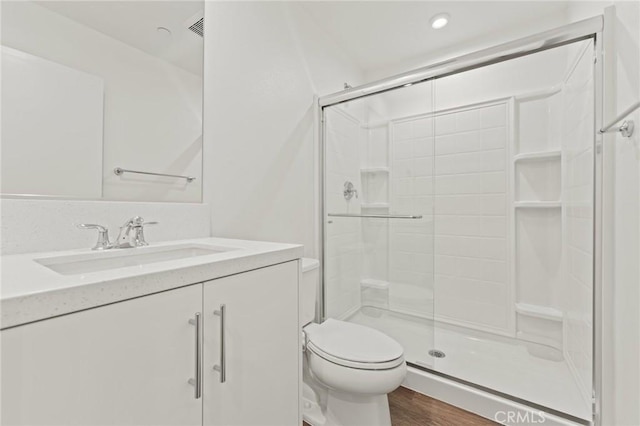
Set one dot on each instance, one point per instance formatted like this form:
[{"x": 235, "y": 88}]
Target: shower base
[{"x": 497, "y": 363}]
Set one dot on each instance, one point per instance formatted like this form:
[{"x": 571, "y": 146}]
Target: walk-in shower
[{"x": 459, "y": 218}]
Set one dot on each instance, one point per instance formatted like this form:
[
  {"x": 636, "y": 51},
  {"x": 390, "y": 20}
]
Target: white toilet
[{"x": 348, "y": 368}]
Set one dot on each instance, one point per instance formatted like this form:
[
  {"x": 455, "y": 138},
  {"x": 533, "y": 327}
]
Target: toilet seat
[{"x": 354, "y": 346}]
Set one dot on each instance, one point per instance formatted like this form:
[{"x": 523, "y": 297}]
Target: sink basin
[{"x": 124, "y": 258}]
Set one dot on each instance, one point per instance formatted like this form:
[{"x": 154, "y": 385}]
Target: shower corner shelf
[
  {"x": 536, "y": 156},
  {"x": 374, "y": 170},
  {"x": 537, "y": 204},
  {"x": 537, "y": 94},
  {"x": 537, "y": 311},
  {"x": 374, "y": 283}
]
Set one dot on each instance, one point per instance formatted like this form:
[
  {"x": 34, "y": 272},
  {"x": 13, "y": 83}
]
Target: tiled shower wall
[
  {"x": 411, "y": 241},
  {"x": 468, "y": 177},
  {"x": 472, "y": 216}
]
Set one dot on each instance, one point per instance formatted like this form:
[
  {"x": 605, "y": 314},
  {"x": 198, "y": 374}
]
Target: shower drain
[{"x": 436, "y": 353}]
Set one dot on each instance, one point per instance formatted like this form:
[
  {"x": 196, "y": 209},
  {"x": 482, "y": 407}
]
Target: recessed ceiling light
[
  {"x": 163, "y": 31},
  {"x": 440, "y": 21}
]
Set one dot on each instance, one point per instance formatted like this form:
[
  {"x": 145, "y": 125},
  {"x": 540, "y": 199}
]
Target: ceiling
[
  {"x": 375, "y": 34},
  {"x": 135, "y": 23},
  {"x": 378, "y": 34}
]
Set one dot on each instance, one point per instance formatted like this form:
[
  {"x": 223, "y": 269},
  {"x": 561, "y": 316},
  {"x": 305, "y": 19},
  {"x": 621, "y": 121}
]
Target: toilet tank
[{"x": 309, "y": 290}]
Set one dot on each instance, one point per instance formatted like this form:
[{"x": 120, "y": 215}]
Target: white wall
[
  {"x": 152, "y": 109},
  {"x": 627, "y": 221},
  {"x": 264, "y": 63}
]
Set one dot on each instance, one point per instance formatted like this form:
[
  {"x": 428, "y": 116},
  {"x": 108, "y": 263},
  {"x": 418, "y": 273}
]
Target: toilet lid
[{"x": 353, "y": 342}]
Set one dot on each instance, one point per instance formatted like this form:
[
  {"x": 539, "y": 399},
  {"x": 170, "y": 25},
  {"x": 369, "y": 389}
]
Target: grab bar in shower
[
  {"x": 119, "y": 171},
  {"x": 377, "y": 216},
  {"x": 626, "y": 129}
]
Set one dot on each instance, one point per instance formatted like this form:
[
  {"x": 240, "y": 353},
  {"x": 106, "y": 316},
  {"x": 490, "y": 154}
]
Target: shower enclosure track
[{"x": 580, "y": 30}]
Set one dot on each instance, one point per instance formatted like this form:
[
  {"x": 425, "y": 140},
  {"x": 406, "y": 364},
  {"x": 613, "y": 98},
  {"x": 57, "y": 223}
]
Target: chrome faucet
[
  {"x": 131, "y": 234},
  {"x": 103, "y": 235}
]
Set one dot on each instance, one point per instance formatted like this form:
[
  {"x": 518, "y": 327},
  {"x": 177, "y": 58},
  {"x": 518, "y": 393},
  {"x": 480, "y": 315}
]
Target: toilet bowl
[{"x": 348, "y": 368}]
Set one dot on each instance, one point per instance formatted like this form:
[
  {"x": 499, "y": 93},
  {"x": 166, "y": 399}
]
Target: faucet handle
[
  {"x": 138, "y": 221},
  {"x": 140, "y": 241},
  {"x": 92, "y": 226},
  {"x": 134, "y": 221},
  {"x": 103, "y": 235}
]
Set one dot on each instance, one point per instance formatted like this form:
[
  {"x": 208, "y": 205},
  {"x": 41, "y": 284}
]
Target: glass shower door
[
  {"x": 378, "y": 268},
  {"x": 459, "y": 221},
  {"x": 514, "y": 202}
]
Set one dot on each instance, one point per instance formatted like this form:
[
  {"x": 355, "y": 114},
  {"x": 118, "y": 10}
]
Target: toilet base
[
  {"x": 311, "y": 410},
  {"x": 358, "y": 410},
  {"x": 341, "y": 409}
]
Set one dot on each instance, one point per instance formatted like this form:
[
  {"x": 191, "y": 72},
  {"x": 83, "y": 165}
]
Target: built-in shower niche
[
  {"x": 537, "y": 183},
  {"x": 375, "y": 187},
  {"x": 374, "y": 166},
  {"x": 538, "y": 122},
  {"x": 538, "y": 178}
]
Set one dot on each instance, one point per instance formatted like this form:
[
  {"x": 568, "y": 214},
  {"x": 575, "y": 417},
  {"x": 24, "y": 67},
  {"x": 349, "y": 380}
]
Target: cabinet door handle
[
  {"x": 197, "y": 382},
  {"x": 222, "y": 367}
]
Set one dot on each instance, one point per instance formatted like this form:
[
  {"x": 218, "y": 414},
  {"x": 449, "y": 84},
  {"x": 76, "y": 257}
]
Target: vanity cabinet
[
  {"x": 134, "y": 362},
  {"x": 123, "y": 364},
  {"x": 252, "y": 351}
]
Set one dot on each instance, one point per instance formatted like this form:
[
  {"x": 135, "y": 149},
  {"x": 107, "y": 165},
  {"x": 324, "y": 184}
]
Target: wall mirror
[{"x": 95, "y": 87}]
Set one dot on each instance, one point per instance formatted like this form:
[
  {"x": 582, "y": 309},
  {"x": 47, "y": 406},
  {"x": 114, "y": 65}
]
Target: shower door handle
[{"x": 222, "y": 367}]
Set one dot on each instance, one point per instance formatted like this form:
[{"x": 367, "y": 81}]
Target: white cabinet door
[
  {"x": 123, "y": 364},
  {"x": 262, "y": 354}
]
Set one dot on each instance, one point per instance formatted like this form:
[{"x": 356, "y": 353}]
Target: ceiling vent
[
  {"x": 195, "y": 24},
  {"x": 198, "y": 27}
]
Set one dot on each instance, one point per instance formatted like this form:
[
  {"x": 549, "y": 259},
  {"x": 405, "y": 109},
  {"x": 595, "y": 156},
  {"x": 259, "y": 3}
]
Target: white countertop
[{"x": 30, "y": 291}]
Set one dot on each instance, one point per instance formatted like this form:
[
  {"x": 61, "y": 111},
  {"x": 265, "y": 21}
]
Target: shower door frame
[{"x": 592, "y": 28}]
